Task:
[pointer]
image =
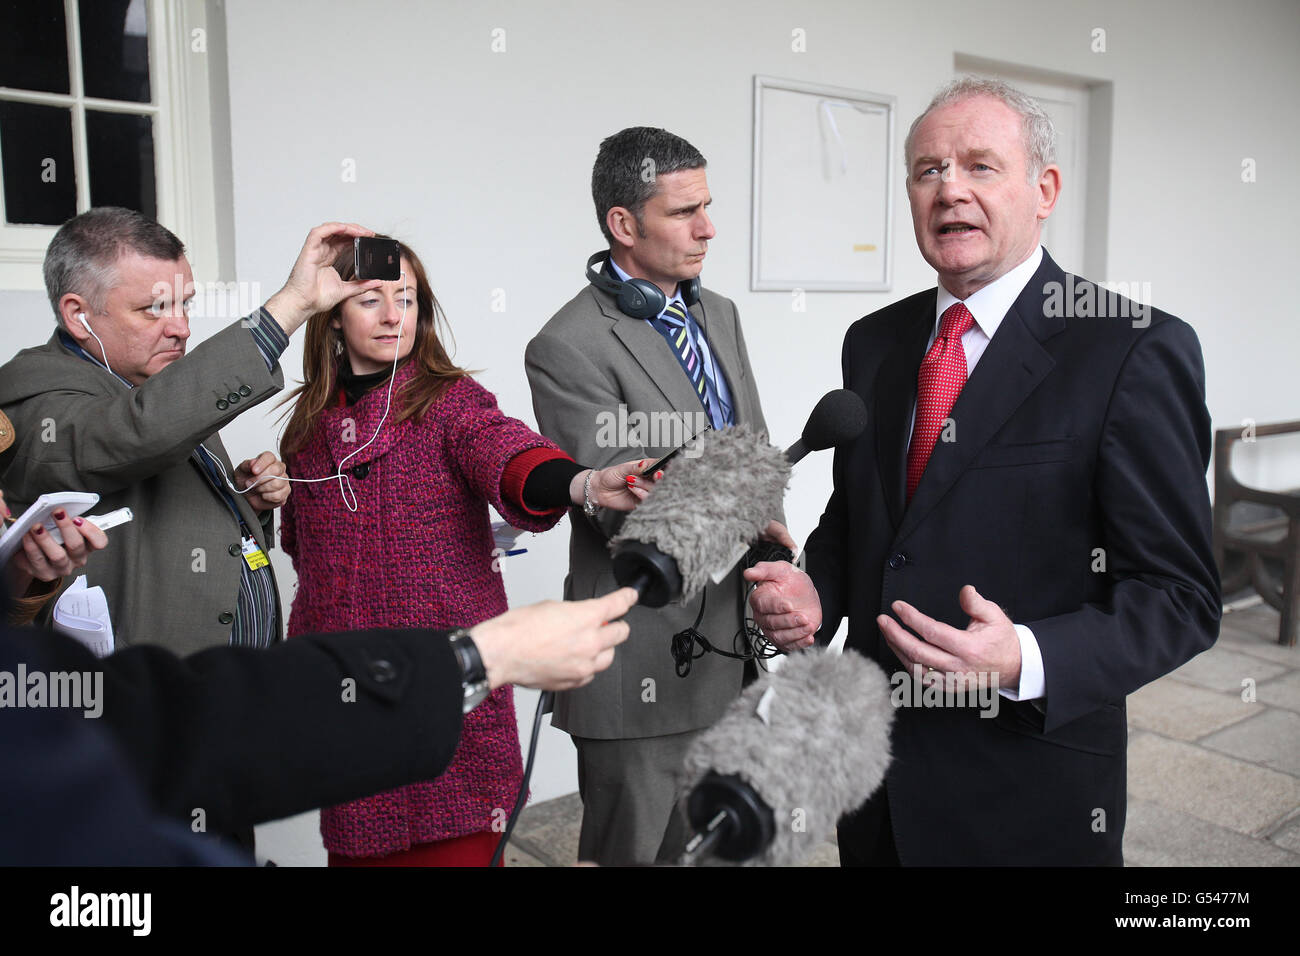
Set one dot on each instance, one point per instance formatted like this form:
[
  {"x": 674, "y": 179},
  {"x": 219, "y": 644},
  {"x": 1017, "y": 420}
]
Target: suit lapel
[
  {"x": 1013, "y": 365},
  {"x": 894, "y": 398},
  {"x": 652, "y": 353}
]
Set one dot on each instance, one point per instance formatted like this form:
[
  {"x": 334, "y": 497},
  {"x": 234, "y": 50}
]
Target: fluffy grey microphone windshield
[
  {"x": 823, "y": 751},
  {"x": 714, "y": 499}
]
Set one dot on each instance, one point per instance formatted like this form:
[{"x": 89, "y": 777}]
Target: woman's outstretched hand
[{"x": 619, "y": 487}]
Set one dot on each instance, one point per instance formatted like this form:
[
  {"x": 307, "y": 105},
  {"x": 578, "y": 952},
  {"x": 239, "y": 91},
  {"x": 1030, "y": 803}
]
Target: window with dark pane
[
  {"x": 120, "y": 149},
  {"x": 115, "y": 49},
  {"x": 40, "y": 181},
  {"x": 34, "y": 46}
]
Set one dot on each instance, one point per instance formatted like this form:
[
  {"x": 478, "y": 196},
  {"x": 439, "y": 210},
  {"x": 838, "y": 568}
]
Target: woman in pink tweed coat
[{"x": 417, "y": 551}]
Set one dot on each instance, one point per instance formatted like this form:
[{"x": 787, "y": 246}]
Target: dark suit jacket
[
  {"x": 244, "y": 735},
  {"x": 585, "y": 362},
  {"x": 1073, "y": 434}
]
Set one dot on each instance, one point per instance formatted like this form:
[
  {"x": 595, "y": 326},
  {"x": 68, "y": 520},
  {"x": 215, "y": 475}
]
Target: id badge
[{"x": 254, "y": 556}]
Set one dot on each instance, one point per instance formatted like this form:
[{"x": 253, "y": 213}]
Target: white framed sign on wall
[{"x": 823, "y": 188}]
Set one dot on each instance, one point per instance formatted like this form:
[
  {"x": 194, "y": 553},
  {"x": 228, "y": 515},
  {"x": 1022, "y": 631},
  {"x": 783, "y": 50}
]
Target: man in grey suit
[
  {"x": 112, "y": 404},
  {"x": 642, "y": 365}
]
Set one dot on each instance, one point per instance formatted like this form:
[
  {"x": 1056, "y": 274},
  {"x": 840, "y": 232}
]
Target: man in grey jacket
[
  {"x": 113, "y": 404},
  {"x": 607, "y": 381}
]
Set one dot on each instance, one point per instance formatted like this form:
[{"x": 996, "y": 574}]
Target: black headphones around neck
[{"x": 638, "y": 298}]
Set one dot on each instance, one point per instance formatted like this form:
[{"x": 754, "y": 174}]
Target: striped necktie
[{"x": 679, "y": 340}]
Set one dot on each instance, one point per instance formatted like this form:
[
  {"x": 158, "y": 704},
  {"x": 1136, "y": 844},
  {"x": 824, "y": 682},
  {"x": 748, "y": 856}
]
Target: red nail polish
[
  {"x": 78, "y": 522},
  {"x": 60, "y": 515},
  {"x": 658, "y": 475},
  {"x": 39, "y": 529},
  {"x": 631, "y": 479}
]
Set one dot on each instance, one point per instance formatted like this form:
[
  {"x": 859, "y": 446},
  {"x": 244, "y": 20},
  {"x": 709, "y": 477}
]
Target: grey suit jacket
[
  {"x": 585, "y": 362},
  {"x": 170, "y": 575}
]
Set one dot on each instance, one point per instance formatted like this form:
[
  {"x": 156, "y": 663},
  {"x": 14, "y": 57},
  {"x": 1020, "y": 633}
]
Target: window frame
[{"x": 183, "y": 157}]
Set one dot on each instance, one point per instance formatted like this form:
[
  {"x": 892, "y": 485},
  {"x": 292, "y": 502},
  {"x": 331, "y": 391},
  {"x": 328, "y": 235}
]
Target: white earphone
[
  {"x": 102, "y": 351},
  {"x": 345, "y": 481}
]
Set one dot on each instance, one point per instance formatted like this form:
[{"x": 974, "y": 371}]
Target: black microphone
[
  {"x": 797, "y": 750},
  {"x": 838, "y": 418}
]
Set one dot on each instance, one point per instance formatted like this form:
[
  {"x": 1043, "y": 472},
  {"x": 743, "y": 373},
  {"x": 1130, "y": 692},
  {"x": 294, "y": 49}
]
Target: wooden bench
[{"x": 1257, "y": 531}]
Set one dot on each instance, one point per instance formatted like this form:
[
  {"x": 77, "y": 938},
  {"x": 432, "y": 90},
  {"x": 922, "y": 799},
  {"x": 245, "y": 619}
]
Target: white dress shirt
[{"x": 989, "y": 307}]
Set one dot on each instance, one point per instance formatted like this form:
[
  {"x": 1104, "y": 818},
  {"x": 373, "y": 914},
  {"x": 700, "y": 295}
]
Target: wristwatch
[{"x": 473, "y": 675}]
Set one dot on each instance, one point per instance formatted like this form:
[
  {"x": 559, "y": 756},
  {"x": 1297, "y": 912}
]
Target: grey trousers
[{"x": 629, "y": 814}]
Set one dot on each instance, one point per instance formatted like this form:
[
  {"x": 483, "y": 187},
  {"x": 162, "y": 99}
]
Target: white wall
[{"x": 482, "y": 161}]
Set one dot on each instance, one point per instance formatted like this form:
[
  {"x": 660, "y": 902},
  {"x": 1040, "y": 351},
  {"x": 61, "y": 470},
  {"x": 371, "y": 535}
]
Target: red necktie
[{"x": 938, "y": 383}]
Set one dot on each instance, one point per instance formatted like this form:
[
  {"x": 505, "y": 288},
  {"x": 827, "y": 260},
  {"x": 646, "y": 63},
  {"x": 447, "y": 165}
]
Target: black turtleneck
[{"x": 354, "y": 385}]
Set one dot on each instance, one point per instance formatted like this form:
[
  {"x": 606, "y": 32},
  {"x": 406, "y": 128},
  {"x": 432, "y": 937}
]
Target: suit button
[
  {"x": 232, "y": 398},
  {"x": 234, "y": 550},
  {"x": 245, "y": 391},
  {"x": 897, "y": 560},
  {"x": 222, "y": 404},
  {"x": 382, "y": 671},
  {"x": 360, "y": 471},
  {"x": 225, "y": 617}
]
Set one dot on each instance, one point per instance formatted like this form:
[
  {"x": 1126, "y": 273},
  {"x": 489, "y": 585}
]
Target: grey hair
[
  {"x": 1036, "y": 126},
  {"x": 628, "y": 166},
  {"x": 82, "y": 256}
]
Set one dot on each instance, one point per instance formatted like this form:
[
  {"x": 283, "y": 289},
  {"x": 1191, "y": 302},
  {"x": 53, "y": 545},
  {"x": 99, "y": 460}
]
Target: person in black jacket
[{"x": 158, "y": 747}]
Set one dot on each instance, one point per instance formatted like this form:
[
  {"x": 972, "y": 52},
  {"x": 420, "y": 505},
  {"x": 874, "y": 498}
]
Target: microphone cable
[
  {"x": 748, "y": 644},
  {"x": 543, "y": 702}
]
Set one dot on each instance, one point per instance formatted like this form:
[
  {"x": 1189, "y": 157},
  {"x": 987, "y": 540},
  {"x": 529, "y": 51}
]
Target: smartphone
[
  {"x": 103, "y": 522},
  {"x": 649, "y": 472},
  {"x": 377, "y": 258}
]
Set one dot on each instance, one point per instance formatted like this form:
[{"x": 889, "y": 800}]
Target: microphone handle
[
  {"x": 701, "y": 845},
  {"x": 640, "y": 583},
  {"x": 796, "y": 452}
]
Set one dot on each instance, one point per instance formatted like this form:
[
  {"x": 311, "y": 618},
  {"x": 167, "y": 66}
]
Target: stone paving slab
[
  {"x": 1260, "y": 619},
  {"x": 1287, "y": 836},
  {"x": 515, "y": 856},
  {"x": 1223, "y": 668},
  {"x": 1160, "y": 836},
  {"x": 553, "y": 828},
  {"x": 1271, "y": 738},
  {"x": 1255, "y": 630},
  {"x": 1281, "y": 691},
  {"x": 1184, "y": 711},
  {"x": 565, "y": 809},
  {"x": 1209, "y": 786}
]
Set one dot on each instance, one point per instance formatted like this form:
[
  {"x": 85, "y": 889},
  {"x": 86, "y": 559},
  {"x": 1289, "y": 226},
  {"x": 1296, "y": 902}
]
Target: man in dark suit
[
  {"x": 610, "y": 377},
  {"x": 1028, "y": 500}
]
